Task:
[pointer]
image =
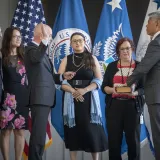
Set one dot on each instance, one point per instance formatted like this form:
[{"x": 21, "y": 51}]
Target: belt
[
  {"x": 79, "y": 82},
  {"x": 122, "y": 99}
]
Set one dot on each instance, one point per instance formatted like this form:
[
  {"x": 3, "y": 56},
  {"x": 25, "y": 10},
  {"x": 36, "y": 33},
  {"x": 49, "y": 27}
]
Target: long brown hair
[
  {"x": 88, "y": 58},
  {"x": 6, "y": 46}
]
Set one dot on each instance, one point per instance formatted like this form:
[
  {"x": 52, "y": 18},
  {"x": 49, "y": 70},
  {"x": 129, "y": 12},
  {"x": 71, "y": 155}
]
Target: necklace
[
  {"x": 122, "y": 72},
  {"x": 73, "y": 60},
  {"x": 78, "y": 56}
]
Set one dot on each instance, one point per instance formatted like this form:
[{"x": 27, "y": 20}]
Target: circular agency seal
[{"x": 60, "y": 45}]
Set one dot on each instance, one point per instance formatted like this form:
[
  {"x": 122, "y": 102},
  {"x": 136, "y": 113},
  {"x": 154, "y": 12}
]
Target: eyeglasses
[
  {"x": 75, "y": 41},
  {"x": 17, "y": 37},
  {"x": 125, "y": 49}
]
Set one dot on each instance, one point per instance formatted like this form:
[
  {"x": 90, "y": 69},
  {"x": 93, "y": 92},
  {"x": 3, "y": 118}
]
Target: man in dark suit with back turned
[
  {"x": 150, "y": 67},
  {"x": 41, "y": 80}
]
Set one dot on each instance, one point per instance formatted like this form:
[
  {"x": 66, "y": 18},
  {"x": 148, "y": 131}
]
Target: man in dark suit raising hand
[{"x": 41, "y": 80}]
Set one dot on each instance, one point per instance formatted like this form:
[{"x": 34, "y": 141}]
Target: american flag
[{"x": 27, "y": 15}]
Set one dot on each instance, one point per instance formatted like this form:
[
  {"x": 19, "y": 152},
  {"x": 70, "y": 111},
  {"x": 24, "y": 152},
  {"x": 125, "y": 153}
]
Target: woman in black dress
[
  {"x": 14, "y": 113},
  {"x": 84, "y": 134}
]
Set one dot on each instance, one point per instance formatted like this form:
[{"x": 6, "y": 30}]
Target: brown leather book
[{"x": 123, "y": 90}]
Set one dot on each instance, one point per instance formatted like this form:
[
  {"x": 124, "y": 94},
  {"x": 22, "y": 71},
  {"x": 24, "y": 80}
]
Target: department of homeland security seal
[
  {"x": 60, "y": 45},
  {"x": 105, "y": 50}
]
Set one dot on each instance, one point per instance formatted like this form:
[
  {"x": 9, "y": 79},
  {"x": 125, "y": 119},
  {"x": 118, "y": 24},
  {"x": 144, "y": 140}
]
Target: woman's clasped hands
[{"x": 78, "y": 93}]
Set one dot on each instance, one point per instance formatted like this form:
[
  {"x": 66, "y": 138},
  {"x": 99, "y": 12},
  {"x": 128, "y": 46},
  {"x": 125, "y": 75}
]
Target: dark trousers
[
  {"x": 154, "y": 113},
  {"x": 39, "y": 114},
  {"x": 122, "y": 117}
]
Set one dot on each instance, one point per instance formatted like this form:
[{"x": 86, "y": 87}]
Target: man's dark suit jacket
[
  {"x": 41, "y": 77},
  {"x": 149, "y": 67}
]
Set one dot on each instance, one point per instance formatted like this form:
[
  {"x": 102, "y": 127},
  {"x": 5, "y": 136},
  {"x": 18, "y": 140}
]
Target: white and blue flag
[
  {"x": 113, "y": 25},
  {"x": 70, "y": 18}
]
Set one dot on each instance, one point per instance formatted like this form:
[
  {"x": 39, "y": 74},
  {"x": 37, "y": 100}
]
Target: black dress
[
  {"x": 14, "y": 111},
  {"x": 84, "y": 136}
]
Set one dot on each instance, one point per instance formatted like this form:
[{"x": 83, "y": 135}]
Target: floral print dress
[{"x": 14, "y": 111}]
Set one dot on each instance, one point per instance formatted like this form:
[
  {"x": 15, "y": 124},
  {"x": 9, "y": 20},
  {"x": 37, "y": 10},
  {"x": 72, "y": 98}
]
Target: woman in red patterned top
[{"x": 123, "y": 110}]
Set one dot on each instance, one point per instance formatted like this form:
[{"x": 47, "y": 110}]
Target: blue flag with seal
[
  {"x": 113, "y": 25},
  {"x": 70, "y": 18}
]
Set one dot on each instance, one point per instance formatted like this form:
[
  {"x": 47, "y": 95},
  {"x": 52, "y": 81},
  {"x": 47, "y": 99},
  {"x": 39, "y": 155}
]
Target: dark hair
[
  {"x": 122, "y": 40},
  {"x": 77, "y": 33},
  {"x": 88, "y": 58},
  {"x": 6, "y": 46}
]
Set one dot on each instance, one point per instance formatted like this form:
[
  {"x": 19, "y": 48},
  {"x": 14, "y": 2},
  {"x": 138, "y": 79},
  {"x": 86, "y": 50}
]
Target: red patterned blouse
[{"x": 121, "y": 77}]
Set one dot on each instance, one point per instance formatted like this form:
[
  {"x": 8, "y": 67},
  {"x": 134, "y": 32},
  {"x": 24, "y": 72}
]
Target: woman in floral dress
[{"x": 14, "y": 111}]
